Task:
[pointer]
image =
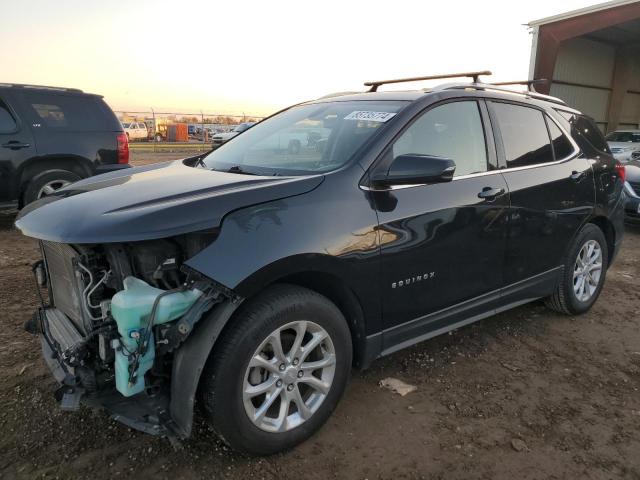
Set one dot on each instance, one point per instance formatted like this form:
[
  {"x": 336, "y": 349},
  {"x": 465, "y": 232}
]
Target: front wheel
[
  {"x": 278, "y": 372},
  {"x": 584, "y": 273}
]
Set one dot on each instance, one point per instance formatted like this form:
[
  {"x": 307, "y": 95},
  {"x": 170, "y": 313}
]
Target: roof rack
[
  {"x": 499, "y": 88},
  {"x": 41, "y": 87},
  {"x": 474, "y": 75},
  {"x": 529, "y": 83}
]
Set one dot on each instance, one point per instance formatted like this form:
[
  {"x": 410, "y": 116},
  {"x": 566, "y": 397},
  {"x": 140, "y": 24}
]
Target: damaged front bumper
[
  {"x": 166, "y": 410},
  {"x": 144, "y": 412}
]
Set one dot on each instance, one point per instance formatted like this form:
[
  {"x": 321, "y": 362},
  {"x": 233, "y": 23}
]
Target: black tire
[
  {"x": 37, "y": 183},
  {"x": 224, "y": 375},
  {"x": 564, "y": 299},
  {"x": 294, "y": 147}
]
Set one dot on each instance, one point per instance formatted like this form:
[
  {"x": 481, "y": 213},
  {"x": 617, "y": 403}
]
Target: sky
[{"x": 256, "y": 57}]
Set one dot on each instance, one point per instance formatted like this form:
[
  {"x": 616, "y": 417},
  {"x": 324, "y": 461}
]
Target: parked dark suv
[
  {"x": 254, "y": 277},
  {"x": 50, "y": 137}
]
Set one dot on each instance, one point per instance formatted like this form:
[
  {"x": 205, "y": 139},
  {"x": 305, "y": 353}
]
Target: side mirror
[{"x": 413, "y": 169}]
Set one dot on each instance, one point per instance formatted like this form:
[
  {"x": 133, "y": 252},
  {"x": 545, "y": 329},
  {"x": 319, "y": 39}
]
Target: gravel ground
[{"x": 525, "y": 394}]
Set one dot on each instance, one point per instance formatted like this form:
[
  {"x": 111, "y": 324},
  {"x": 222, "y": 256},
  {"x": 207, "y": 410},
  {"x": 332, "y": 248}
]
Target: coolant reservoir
[{"x": 131, "y": 309}]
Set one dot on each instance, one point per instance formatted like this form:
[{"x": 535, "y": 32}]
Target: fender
[
  {"x": 332, "y": 229},
  {"x": 189, "y": 361}
]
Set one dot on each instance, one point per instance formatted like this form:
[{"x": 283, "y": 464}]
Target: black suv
[
  {"x": 50, "y": 137},
  {"x": 254, "y": 277}
]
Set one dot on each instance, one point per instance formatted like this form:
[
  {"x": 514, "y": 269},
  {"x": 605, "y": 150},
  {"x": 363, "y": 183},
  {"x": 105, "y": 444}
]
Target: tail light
[
  {"x": 123, "y": 148},
  {"x": 621, "y": 171}
]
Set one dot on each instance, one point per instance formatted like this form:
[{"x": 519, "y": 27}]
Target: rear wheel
[
  {"x": 584, "y": 273},
  {"x": 48, "y": 182},
  {"x": 279, "y": 372}
]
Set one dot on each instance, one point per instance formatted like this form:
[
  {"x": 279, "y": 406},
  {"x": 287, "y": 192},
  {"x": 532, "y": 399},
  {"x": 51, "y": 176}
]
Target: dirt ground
[{"x": 525, "y": 394}]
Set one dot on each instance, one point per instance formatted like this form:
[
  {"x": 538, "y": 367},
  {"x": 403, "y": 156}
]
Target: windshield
[
  {"x": 624, "y": 137},
  {"x": 305, "y": 139}
]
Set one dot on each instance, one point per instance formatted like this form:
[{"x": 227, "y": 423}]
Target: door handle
[
  {"x": 13, "y": 145},
  {"x": 489, "y": 193},
  {"x": 577, "y": 176}
]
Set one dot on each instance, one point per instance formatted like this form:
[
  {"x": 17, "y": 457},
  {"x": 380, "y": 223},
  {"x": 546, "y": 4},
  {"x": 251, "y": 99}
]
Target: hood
[
  {"x": 633, "y": 171},
  {"x": 155, "y": 201}
]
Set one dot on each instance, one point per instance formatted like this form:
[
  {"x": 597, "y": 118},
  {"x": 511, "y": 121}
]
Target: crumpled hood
[{"x": 154, "y": 201}]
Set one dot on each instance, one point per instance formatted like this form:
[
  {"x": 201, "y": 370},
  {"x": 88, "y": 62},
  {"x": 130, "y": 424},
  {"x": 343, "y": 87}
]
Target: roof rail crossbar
[
  {"x": 529, "y": 83},
  {"x": 474, "y": 75},
  {"x": 491, "y": 86}
]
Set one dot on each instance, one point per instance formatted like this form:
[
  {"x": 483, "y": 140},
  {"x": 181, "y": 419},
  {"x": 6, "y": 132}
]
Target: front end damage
[{"x": 116, "y": 326}]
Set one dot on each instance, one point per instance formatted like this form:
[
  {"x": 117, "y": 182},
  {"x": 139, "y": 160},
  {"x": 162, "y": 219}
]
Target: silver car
[{"x": 624, "y": 144}]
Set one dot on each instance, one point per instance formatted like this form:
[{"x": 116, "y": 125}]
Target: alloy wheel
[
  {"x": 52, "y": 186},
  {"x": 587, "y": 270},
  {"x": 289, "y": 376}
]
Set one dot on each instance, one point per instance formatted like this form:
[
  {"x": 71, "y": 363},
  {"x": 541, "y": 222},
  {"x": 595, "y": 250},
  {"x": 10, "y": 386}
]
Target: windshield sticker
[{"x": 370, "y": 116}]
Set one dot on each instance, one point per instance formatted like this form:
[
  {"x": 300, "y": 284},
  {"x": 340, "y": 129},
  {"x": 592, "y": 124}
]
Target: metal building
[{"x": 592, "y": 57}]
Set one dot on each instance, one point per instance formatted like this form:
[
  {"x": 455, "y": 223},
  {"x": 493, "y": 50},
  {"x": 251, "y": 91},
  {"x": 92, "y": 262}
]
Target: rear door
[
  {"x": 552, "y": 194},
  {"x": 16, "y": 146},
  {"x": 443, "y": 245}
]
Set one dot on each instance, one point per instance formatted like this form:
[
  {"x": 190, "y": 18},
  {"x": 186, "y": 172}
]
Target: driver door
[{"x": 443, "y": 244}]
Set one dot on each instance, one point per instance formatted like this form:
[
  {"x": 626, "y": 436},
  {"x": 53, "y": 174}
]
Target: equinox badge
[{"x": 412, "y": 280}]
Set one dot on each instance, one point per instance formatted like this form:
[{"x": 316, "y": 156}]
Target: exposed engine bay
[{"x": 116, "y": 314}]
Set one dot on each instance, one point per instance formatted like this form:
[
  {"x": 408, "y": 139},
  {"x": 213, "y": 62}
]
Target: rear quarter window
[
  {"x": 562, "y": 147},
  {"x": 584, "y": 131},
  {"x": 66, "y": 112}
]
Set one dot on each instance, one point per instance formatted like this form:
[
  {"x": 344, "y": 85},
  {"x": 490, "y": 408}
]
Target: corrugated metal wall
[
  {"x": 630, "y": 115},
  {"x": 585, "y": 62},
  {"x": 591, "y": 64}
]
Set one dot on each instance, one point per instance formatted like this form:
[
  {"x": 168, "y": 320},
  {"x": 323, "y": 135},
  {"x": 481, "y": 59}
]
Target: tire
[
  {"x": 159, "y": 138},
  {"x": 566, "y": 299},
  {"x": 55, "y": 179},
  {"x": 228, "y": 373},
  {"x": 294, "y": 147}
]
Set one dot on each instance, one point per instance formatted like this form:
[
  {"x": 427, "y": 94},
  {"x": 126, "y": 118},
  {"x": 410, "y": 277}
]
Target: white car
[
  {"x": 224, "y": 137},
  {"x": 135, "y": 130},
  {"x": 624, "y": 144}
]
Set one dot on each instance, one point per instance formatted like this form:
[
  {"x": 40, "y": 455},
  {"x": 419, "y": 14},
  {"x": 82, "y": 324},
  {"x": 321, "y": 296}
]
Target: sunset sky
[{"x": 256, "y": 56}]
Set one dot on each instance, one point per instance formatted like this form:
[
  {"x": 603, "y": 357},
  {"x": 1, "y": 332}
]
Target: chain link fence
[{"x": 167, "y": 131}]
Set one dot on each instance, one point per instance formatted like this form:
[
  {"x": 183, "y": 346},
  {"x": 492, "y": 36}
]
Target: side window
[
  {"x": 562, "y": 147},
  {"x": 453, "y": 130},
  {"x": 7, "y": 122},
  {"x": 584, "y": 131},
  {"x": 71, "y": 112},
  {"x": 50, "y": 115},
  {"x": 524, "y": 135}
]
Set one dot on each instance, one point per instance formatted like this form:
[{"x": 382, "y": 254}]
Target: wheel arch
[
  {"x": 37, "y": 165},
  {"x": 343, "y": 297},
  {"x": 190, "y": 359},
  {"x": 609, "y": 231}
]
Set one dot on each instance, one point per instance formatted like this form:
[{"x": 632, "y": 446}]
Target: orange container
[{"x": 178, "y": 132}]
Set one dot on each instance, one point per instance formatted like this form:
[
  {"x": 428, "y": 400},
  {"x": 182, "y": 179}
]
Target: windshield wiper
[{"x": 238, "y": 169}]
